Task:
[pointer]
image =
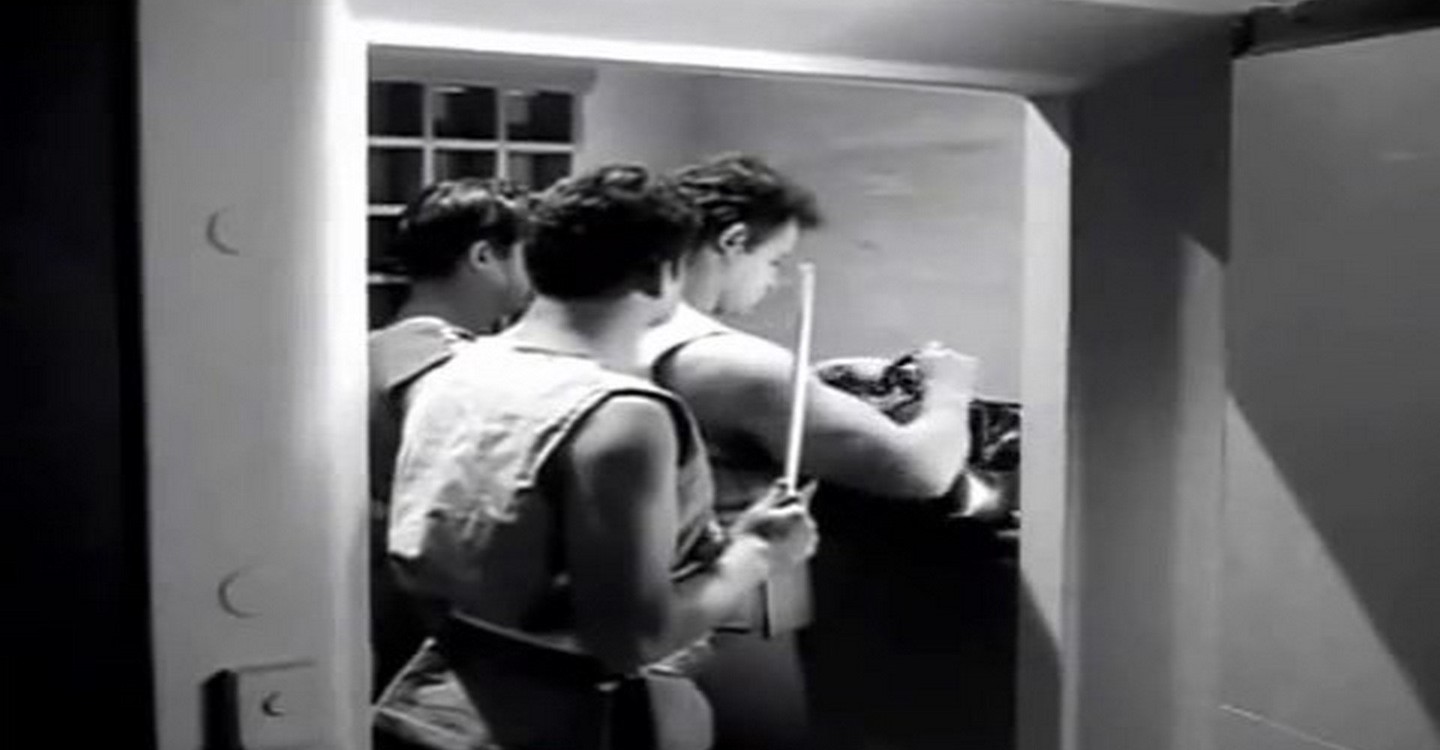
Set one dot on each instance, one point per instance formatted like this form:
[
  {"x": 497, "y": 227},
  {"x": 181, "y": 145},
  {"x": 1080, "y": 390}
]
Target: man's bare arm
[
  {"x": 618, "y": 477},
  {"x": 741, "y": 385}
]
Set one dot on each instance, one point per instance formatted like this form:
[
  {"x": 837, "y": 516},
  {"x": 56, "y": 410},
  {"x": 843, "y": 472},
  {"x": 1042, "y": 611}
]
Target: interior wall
[
  {"x": 637, "y": 114},
  {"x": 921, "y": 193},
  {"x": 77, "y": 636},
  {"x": 1147, "y": 397},
  {"x": 1329, "y": 616},
  {"x": 254, "y": 313}
]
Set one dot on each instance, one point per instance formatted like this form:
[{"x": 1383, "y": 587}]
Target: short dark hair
[
  {"x": 594, "y": 234},
  {"x": 736, "y": 187},
  {"x": 440, "y": 225}
]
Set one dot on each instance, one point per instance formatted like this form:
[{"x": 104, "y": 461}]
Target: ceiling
[
  {"x": 1211, "y": 7},
  {"x": 1030, "y": 46}
]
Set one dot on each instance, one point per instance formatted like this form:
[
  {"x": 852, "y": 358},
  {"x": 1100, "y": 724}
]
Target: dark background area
[
  {"x": 913, "y": 644},
  {"x": 77, "y": 658}
]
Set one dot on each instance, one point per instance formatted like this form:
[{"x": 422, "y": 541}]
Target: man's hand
[
  {"x": 947, "y": 371},
  {"x": 782, "y": 521}
]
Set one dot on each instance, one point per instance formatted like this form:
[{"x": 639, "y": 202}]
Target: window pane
[
  {"x": 394, "y": 174},
  {"x": 382, "y": 233},
  {"x": 395, "y": 108},
  {"x": 538, "y": 171},
  {"x": 465, "y": 112},
  {"x": 450, "y": 165},
  {"x": 538, "y": 116}
]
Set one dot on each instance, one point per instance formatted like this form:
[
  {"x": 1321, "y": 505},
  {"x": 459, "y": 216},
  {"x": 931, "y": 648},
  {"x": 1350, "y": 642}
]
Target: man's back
[
  {"x": 400, "y": 355},
  {"x": 472, "y": 518},
  {"x": 481, "y": 523}
]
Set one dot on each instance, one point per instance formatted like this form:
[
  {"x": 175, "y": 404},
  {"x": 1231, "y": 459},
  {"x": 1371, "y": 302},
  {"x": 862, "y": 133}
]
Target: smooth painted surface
[
  {"x": 1329, "y": 611},
  {"x": 1037, "y": 46},
  {"x": 252, "y": 117},
  {"x": 1147, "y": 398},
  {"x": 1045, "y": 634},
  {"x": 645, "y": 115},
  {"x": 1237, "y": 729}
]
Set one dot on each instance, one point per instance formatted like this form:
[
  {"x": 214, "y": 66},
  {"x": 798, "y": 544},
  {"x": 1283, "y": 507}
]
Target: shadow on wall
[
  {"x": 1038, "y": 663},
  {"x": 1332, "y": 612},
  {"x": 1147, "y": 394},
  {"x": 1330, "y": 620}
]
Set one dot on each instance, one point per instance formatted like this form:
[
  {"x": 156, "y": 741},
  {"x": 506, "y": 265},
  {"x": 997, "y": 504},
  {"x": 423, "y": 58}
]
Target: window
[{"x": 422, "y": 131}]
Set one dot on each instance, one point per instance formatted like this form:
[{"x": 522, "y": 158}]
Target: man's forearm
[
  {"x": 939, "y": 440},
  {"x": 706, "y": 599}
]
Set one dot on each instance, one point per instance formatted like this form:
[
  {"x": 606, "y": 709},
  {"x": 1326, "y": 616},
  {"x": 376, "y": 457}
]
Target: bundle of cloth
[{"x": 988, "y": 490}]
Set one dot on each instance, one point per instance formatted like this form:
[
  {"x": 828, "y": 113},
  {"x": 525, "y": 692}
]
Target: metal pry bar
[{"x": 800, "y": 379}]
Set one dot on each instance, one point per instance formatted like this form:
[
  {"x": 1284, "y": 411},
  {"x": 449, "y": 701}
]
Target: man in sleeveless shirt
[
  {"x": 738, "y": 386},
  {"x": 459, "y": 245},
  {"x": 557, "y": 511}
]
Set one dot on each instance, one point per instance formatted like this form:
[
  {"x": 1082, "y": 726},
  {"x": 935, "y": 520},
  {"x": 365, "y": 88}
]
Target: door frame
[{"x": 1046, "y": 682}]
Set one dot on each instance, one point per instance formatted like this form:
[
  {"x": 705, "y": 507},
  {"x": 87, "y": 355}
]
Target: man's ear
[
  {"x": 734, "y": 239},
  {"x": 479, "y": 256}
]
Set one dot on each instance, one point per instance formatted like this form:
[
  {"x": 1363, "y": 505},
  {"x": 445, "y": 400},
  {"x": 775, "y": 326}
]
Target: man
[
  {"x": 555, "y": 512},
  {"x": 459, "y": 244},
  {"x": 738, "y": 386}
]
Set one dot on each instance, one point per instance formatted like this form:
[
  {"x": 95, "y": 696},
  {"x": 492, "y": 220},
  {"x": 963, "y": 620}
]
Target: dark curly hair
[
  {"x": 596, "y": 233},
  {"x": 449, "y": 216},
  {"x": 734, "y": 187}
]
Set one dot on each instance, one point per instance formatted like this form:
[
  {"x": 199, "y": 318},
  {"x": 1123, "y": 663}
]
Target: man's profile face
[{"x": 751, "y": 273}]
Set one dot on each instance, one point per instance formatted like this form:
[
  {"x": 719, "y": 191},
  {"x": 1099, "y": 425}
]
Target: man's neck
[
  {"x": 437, "y": 300},
  {"x": 608, "y": 330},
  {"x": 703, "y": 279}
]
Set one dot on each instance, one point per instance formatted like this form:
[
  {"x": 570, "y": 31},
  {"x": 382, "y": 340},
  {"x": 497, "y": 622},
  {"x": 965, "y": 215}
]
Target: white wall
[
  {"x": 1147, "y": 398},
  {"x": 1045, "y": 621},
  {"x": 255, "y": 364},
  {"x": 639, "y": 114},
  {"x": 1330, "y": 636},
  {"x": 921, "y": 192}
]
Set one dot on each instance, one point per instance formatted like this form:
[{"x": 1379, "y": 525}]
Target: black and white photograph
[{"x": 657, "y": 374}]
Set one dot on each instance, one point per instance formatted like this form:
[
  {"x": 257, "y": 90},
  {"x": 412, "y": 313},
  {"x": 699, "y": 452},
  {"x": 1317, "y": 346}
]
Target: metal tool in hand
[{"x": 799, "y": 381}]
